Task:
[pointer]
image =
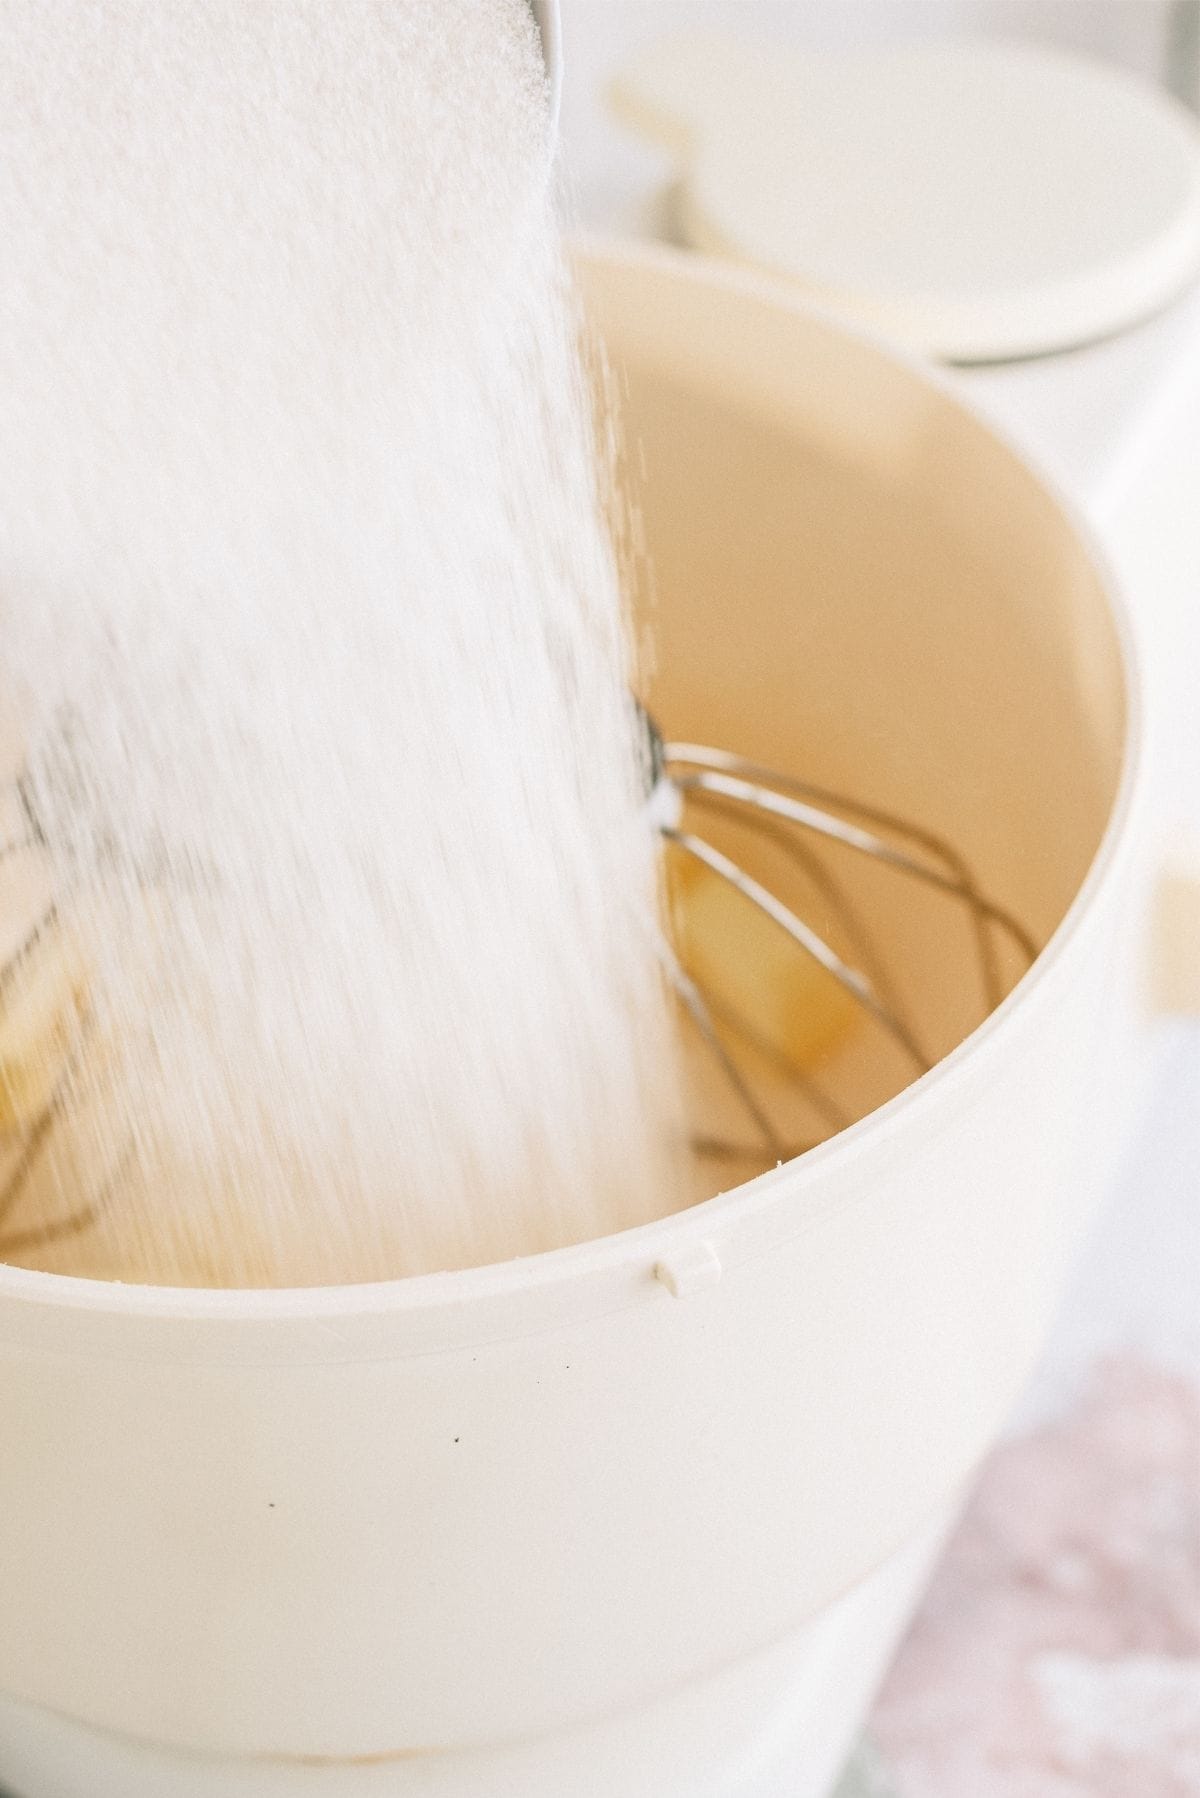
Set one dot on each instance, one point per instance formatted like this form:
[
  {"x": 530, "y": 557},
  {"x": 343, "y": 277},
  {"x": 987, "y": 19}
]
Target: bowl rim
[{"x": 528, "y": 1294}]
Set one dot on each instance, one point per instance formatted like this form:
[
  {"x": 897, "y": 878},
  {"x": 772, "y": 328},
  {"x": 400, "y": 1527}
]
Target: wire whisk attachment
[{"x": 817, "y": 976}]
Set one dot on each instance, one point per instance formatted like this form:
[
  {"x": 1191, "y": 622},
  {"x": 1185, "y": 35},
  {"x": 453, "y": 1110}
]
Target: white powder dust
[{"x": 312, "y": 629}]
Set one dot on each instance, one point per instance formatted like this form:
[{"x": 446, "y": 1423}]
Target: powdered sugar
[{"x": 314, "y": 631}]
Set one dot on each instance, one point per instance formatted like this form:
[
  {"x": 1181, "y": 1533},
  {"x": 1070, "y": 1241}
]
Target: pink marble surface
[{"x": 1057, "y": 1654}]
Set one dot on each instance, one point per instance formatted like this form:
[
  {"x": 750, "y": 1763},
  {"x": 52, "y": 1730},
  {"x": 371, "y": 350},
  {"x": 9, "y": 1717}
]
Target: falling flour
[{"x": 312, "y": 632}]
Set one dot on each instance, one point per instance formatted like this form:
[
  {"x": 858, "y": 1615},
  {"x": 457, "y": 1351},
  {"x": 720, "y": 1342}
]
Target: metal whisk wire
[{"x": 798, "y": 816}]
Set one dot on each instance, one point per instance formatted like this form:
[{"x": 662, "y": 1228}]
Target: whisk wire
[
  {"x": 792, "y": 815},
  {"x": 719, "y": 772},
  {"x": 801, "y": 933},
  {"x": 700, "y": 1012},
  {"x": 798, "y": 852}
]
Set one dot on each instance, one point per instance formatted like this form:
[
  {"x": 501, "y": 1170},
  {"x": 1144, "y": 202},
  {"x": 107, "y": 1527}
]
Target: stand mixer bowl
[{"x": 644, "y": 1515}]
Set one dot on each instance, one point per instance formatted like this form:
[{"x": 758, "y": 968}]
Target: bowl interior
[{"x": 843, "y": 574}]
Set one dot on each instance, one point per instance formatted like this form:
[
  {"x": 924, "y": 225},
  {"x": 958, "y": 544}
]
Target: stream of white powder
[{"x": 311, "y": 626}]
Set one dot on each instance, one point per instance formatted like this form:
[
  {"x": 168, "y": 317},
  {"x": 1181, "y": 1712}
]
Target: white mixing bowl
[{"x": 643, "y": 1516}]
